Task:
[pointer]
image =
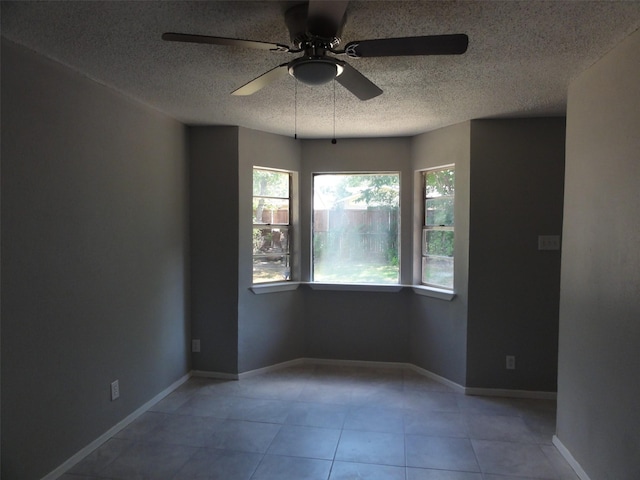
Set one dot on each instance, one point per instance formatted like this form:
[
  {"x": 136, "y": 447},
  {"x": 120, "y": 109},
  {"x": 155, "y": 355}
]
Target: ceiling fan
[{"x": 314, "y": 29}]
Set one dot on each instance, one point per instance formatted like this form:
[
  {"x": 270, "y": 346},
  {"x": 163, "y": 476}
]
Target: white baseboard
[
  {"x": 293, "y": 363},
  {"x": 271, "y": 368},
  {"x": 564, "y": 451},
  {"x": 505, "y": 392},
  {"x": 434, "y": 376},
  {"x": 218, "y": 375},
  {"x": 82, "y": 453},
  {"x": 354, "y": 363},
  {"x": 488, "y": 392}
]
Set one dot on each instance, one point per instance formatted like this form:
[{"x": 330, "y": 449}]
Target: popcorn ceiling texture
[{"x": 521, "y": 57}]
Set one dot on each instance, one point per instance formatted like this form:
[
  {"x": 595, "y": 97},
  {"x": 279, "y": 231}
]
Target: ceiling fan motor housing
[
  {"x": 315, "y": 36},
  {"x": 305, "y": 32},
  {"x": 315, "y": 70}
]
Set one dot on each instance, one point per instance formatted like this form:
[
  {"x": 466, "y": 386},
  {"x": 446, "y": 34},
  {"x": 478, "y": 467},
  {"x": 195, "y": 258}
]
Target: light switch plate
[{"x": 548, "y": 242}]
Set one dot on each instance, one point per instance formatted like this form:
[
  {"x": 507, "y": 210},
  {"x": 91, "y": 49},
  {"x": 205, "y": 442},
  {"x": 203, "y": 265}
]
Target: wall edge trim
[
  {"x": 505, "y": 392},
  {"x": 271, "y": 368},
  {"x": 489, "y": 392},
  {"x": 434, "y": 376},
  {"x": 83, "y": 452},
  {"x": 564, "y": 451},
  {"x": 218, "y": 375},
  {"x": 353, "y": 363}
]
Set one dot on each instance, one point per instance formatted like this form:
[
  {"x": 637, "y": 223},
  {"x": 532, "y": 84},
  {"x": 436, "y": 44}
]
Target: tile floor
[{"x": 331, "y": 423}]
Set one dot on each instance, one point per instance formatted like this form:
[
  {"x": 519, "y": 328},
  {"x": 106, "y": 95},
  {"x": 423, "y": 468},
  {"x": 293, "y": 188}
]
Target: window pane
[
  {"x": 437, "y": 242},
  {"x": 439, "y": 182},
  {"x": 271, "y": 268},
  {"x": 271, "y": 255},
  {"x": 270, "y": 183},
  {"x": 437, "y": 271},
  {"x": 355, "y": 228},
  {"x": 437, "y": 261},
  {"x": 271, "y": 210},
  {"x": 439, "y": 211},
  {"x": 270, "y": 241}
]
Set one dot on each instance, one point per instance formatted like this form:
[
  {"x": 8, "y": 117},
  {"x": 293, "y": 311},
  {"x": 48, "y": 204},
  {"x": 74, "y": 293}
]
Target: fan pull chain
[
  {"x": 295, "y": 110},
  {"x": 333, "y": 140}
]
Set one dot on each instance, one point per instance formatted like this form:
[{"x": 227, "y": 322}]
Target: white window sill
[
  {"x": 262, "y": 288},
  {"x": 440, "y": 293},
  {"x": 356, "y": 287}
]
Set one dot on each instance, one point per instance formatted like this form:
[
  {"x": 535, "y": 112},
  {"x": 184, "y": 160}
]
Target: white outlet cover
[{"x": 115, "y": 390}]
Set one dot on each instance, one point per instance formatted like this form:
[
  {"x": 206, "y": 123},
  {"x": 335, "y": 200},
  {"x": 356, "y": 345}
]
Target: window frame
[
  {"x": 353, "y": 285},
  {"x": 424, "y": 228},
  {"x": 288, "y": 226}
]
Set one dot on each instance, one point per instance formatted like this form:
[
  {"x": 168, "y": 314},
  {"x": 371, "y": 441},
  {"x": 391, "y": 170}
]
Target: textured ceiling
[{"x": 521, "y": 58}]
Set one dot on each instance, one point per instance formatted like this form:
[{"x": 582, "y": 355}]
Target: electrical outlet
[
  {"x": 511, "y": 362},
  {"x": 115, "y": 390},
  {"x": 195, "y": 346},
  {"x": 548, "y": 242}
]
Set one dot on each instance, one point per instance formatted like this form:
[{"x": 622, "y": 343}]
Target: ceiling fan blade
[
  {"x": 390, "y": 47},
  {"x": 357, "y": 83},
  {"x": 234, "y": 42},
  {"x": 325, "y": 18},
  {"x": 262, "y": 81}
]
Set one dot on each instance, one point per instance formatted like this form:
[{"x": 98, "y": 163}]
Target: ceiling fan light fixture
[{"x": 314, "y": 70}]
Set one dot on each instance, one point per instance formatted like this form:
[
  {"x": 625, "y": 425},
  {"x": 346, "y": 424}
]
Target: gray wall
[
  {"x": 242, "y": 331},
  {"x": 213, "y": 237},
  {"x": 517, "y": 172},
  {"x": 238, "y": 330},
  {"x": 439, "y": 327},
  {"x": 357, "y": 325},
  {"x": 599, "y": 364},
  {"x": 93, "y": 256},
  {"x": 94, "y": 251},
  {"x": 270, "y": 326},
  {"x": 509, "y": 306}
]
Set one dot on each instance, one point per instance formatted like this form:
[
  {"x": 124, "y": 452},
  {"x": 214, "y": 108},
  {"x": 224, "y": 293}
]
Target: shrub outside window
[
  {"x": 355, "y": 228},
  {"x": 271, "y": 225},
  {"x": 438, "y": 228}
]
